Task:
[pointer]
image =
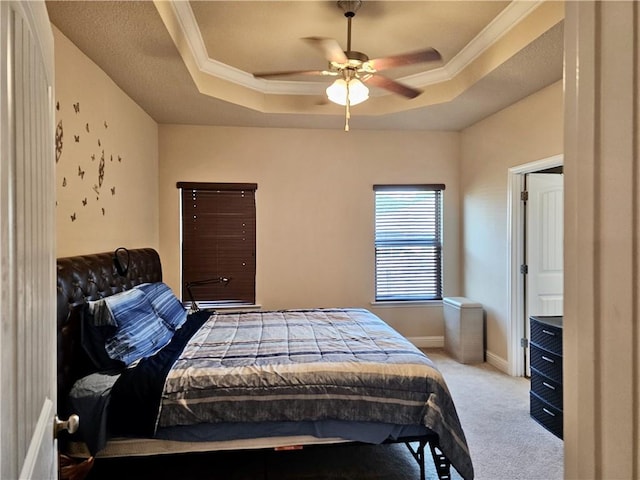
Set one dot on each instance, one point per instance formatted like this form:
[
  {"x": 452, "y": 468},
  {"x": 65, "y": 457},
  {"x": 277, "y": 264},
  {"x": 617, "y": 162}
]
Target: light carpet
[{"x": 504, "y": 441}]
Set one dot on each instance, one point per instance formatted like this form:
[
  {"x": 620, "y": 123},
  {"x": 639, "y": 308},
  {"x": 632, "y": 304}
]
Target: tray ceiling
[{"x": 192, "y": 62}]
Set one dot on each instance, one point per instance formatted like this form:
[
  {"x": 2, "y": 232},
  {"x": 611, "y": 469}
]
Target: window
[
  {"x": 219, "y": 241},
  {"x": 408, "y": 242}
]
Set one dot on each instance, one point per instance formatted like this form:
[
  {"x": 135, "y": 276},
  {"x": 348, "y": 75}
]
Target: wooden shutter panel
[{"x": 219, "y": 240}]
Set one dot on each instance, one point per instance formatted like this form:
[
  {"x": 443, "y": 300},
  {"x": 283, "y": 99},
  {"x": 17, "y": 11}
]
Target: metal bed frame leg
[
  {"x": 442, "y": 464},
  {"x": 418, "y": 454}
]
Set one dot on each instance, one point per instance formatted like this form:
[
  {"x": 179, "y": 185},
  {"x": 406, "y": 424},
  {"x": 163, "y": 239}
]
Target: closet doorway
[{"x": 535, "y": 256}]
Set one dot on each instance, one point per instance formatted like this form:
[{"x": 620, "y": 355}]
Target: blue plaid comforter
[{"x": 299, "y": 365}]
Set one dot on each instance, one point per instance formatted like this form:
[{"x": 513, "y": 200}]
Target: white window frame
[{"x": 408, "y": 243}]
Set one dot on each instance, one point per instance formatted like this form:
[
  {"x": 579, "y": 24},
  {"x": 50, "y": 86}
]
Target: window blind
[
  {"x": 219, "y": 240},
  {"x": 408, "y": 242}
]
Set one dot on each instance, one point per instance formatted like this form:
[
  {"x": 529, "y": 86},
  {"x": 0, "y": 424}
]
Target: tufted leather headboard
[{"x": 91, "y": 277}]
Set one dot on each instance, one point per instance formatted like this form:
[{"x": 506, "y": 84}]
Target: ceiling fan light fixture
[
  {"x": 353, "y": 67},
  {"x": 353, "y": 90}
]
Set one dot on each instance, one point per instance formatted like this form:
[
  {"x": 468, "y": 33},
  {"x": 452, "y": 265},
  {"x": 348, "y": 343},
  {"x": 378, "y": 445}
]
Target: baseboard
[
  {"x": 498, "y": 362},
  {"x": 427, "y": 342}
]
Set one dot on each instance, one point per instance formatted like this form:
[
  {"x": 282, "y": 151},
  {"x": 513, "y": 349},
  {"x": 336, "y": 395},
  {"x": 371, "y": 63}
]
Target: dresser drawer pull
[
  {"x": 548, "y": 412},
  {"x": 548, "y": 385},
  {"x": 548, "y": 332},
  {"x": 550, "y": 360}
]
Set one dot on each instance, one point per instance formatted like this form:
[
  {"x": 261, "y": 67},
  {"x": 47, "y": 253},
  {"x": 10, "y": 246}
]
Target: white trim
[
  {"x": 427, "y": 342},
  {"x": 415, "y": 303},
  {"x": 209, "y": 66},
  {"x": 515, "y": 282},
  {"x": 497, "y": 362},
  {"x": 499, "y": 26},
  {"x": 190, "y": 31},
  {"x": 37, "y": 17},
  {"x": 549, "y": 162},
  {"x": 513, "y": 14},
  {"x": 515, "y": 257},
  {"x": 40, "y": 461}
]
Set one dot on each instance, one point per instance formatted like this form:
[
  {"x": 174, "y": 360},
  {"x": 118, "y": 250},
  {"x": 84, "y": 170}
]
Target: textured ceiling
[{"x": 148, "y": 49}]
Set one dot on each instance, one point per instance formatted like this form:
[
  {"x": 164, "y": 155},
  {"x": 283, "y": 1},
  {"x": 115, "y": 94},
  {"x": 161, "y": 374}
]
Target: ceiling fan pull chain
[
  {"x": 347, "y": 111},
  {"x": 346, "y": 119}
]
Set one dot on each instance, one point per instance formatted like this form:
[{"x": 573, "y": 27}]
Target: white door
[
  {"x": 544, "y": 254},
  {"x": 27, "y": 243}
]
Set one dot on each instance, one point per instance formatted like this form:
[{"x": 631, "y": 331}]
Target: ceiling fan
[{"x": 354, "y": 68}]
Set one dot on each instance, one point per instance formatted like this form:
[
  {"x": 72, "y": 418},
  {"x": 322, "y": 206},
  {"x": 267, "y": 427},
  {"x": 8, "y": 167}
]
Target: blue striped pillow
[
  {"x": 140, "y": 331},
  {"x": 165, "y": 303}
]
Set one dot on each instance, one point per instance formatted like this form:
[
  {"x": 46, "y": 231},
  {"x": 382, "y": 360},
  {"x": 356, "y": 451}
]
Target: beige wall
[
  {"x": 314, "y": 207},
  {"x": 529, "y": 130},
  {"x": 119, "y": 208},
  {"x": 315, "y": 201}
]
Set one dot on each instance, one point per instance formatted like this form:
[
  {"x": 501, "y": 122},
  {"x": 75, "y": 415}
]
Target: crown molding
[
  {"x": 191, "y": 32},
  {"x": 500, "y": 26},
  {"x": 494, "y": 31}
]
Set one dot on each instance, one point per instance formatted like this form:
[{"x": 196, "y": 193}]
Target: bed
[{"x": 236, "y": 380}]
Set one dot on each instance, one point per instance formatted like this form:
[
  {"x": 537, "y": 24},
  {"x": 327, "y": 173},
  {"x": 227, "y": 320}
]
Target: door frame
[
  {"x": 27, "y": 242},
  {"x": 515, "y": 258}
]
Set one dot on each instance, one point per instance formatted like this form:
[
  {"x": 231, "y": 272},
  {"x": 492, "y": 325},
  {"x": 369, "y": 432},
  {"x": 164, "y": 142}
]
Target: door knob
[{"x": 70, "y": 425}]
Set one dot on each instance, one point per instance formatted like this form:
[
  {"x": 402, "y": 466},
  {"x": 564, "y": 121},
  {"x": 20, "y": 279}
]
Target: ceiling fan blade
[
  {"x": 329, "y": 47},
  {"x": 427, "y": 55},
  {"x": 393, "y": 86},
  {"x": 291, "y": 73}
]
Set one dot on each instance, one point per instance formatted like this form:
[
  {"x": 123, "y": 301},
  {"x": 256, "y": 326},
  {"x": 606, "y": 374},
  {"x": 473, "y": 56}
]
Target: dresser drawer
[
  {"x": 546, "y": 389},
  {"x": 546, "y": 415},
  {"x": 547, "y": 363},
  {"x": 547, "y": 333}
]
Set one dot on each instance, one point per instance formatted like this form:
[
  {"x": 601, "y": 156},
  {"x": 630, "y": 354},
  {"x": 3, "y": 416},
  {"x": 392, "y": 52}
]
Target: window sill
[{"x": 408, "y": 303}]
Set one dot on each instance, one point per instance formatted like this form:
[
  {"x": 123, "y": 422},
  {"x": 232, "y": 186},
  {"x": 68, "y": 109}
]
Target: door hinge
[
  {"x": 524, "y": 269},
  {"x": 524, "y": 343},
  {"x": 524, "y": 195}
]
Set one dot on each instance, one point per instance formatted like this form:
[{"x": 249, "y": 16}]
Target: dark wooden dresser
[{"x": 546, "y": 372}]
